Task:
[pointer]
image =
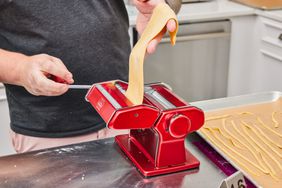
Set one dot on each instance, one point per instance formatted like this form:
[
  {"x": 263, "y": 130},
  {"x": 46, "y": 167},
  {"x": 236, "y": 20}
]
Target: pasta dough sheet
[
  {"x": 161, "y": 15},
  {"x": 251, "y": 136}
]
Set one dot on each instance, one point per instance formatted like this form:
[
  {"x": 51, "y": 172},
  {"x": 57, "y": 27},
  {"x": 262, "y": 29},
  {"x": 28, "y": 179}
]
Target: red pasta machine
[{"x": 158, "y": 127}]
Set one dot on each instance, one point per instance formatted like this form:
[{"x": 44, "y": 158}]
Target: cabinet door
[
  {"x": 270, "y": 78},
  {"x": 5, "y": 144},
  {"x": 197, "y": 66},
  {"x": 270, "y": 68},
  {"x": 2, "y": 91},
  {"x": 256, "y": 55}
]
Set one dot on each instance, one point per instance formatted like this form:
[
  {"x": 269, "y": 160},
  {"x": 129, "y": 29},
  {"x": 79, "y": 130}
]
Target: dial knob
[{"x": 179, "y": 126}]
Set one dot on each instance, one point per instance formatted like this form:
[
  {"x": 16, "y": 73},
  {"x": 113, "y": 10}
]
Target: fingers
[
  {"x": 152, "y": 46},
  {"x": 170, "y": 26},
  {"x": 37, "y": 69},
  {"x": 69, "y": 76},
  {"x": 56, "y": 67},
  {"x": 39, "y": 85},
  {"x": 48, "y": 87}
]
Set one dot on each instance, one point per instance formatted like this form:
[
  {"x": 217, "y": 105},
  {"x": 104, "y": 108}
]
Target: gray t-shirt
[{"x": 91, "y": 38}]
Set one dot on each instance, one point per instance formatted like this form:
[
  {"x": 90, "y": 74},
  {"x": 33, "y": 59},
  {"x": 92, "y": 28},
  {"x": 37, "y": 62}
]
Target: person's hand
[
  {"x": 145, "y": 8},
  {"x": 35, "y": 71}
]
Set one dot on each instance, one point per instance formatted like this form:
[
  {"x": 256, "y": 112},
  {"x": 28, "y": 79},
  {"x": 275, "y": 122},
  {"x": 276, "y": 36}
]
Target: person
[{"x": 80, "y": 41}]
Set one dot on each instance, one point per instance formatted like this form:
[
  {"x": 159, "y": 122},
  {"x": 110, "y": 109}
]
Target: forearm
[
  {"x": 175, "y": 5},
  {"x": 10, "y": 67}
]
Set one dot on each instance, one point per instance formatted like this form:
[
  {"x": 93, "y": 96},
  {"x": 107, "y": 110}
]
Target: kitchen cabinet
[
  {"x": 270, "y": 51},
  {"x": 255, "y": 56},
  {"x": 243, "y": 47},
  {"x": 2, "y": 90},
  {"x": 5, "y": 144},
  {"x": 197, "y": 66}
]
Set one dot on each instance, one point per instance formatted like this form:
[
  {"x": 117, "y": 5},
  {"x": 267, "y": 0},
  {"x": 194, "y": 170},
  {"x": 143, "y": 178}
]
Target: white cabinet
[
  {"x": 197, "y": 66},
  {"x": 256, "y": 56},
  {"x": 2, "y": 90},
  {"x": 271, "y": 55},
  {"x": 5, "y": 144},
  {"x": 242, "y": 53}
]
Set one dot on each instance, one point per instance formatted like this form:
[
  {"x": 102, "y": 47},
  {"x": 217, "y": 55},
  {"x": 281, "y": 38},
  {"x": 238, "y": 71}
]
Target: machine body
[{"x": 158, "y": 127}]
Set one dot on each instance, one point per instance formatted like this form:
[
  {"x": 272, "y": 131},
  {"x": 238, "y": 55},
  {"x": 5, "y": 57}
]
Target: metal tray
[{"x": 232, "y": 102}]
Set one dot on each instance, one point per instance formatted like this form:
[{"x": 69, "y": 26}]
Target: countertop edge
[
  {"x": 233, "y": 10},
  {"x": 201, "y": 17},
  {"x": 217, "y": 16}
]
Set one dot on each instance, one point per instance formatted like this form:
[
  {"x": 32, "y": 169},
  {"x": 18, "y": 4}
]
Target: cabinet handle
[
  {"x": 280, "y": 37},
  {"x": 197, "y": 37}
]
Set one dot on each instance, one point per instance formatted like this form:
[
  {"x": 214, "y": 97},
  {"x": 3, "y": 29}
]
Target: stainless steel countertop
[{"x": 97, "y": 164}]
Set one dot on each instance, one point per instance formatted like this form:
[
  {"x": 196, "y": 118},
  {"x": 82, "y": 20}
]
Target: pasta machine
[{"x": 158, "y": 127}]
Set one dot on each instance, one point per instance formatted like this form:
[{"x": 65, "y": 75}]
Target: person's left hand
[{"x": 146, "y": 8}]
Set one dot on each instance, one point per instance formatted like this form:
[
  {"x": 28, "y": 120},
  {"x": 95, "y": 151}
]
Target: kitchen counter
[
  {"x": 204, "y": 11},
  {"x": 97, "y": 164},
  {"x": 214, "y": 10}
]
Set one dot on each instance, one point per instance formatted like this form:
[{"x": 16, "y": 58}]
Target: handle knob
[
  {"x": 280, "y": 36},
  {"x": 56, "y": 79},
  {"x": 179, "y": 126}
]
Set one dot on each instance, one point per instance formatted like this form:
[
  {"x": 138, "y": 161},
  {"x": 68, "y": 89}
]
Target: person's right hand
[{"x": 35, "y": 71}]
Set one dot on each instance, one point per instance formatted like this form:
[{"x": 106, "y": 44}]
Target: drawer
[
  {"x": 271, "y": 50},
  {"x": 272, "y": 32},
  {"x": 271, "y": 41}
]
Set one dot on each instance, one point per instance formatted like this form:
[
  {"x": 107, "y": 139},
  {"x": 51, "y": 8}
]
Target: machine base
[{"x": 147, "y": 167}]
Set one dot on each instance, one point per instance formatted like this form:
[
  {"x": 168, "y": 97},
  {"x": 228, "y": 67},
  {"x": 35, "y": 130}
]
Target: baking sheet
[{"x": 232, "y": 102}]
